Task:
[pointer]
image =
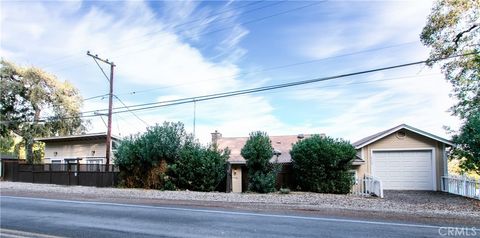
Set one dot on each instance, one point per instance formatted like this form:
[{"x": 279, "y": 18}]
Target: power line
[
  {"x": 243, "y": 23},
  {"x": 100, "y": 67},
  {"x": 274, "y": 67},
  {"x": 120, "y": 100},
  {"x": 204, "y": 19},
  {"x": 211, "y": 32},
  {"x": 99, "y": 96},
  {"x": 133, "y": 113},
  {"x": 147, "y": 106}
]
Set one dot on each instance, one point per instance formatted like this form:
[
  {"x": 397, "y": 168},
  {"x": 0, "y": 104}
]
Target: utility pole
[
  {"x": 110, "y": 105},
  {"x": 194, "y": 116}
]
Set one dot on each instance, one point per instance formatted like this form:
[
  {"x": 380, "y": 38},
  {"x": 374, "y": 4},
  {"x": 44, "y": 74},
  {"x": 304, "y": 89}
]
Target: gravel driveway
[{"x": 407, "y": 202}]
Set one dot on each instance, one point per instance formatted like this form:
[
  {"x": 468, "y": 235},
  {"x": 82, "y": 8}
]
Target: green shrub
[
  {"x": 257, "y": 152},
  {"x": 142, "y": 158},
  {"x": 199, "y": 168},
  {"x": 166, "y": 157},
  {"x": 322, "y": 164},
  {"x": 284, "y": 191}
]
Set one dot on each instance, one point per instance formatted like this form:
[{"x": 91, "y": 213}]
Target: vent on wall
[{"x": 401, "y": 134}]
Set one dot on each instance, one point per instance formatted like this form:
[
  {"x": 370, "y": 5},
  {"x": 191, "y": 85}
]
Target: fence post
[{"x": 50, "y": 172}]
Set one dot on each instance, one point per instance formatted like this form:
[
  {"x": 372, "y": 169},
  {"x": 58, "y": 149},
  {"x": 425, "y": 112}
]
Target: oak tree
[
  {"x": 34, "y": 103},
  {"x": 453, "y": 30}
]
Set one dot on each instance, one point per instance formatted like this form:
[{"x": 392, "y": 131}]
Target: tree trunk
[
  {"x": 29, "y": 150},
  {"x": 29, "y": 139}
]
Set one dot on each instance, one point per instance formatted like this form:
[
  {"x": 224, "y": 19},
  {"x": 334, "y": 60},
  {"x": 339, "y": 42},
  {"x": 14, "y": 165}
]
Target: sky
[{"x": 166, "y": 50}]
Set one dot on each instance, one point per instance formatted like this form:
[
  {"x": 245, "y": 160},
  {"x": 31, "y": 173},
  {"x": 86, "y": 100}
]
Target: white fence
[
  {"x": 368, "y": 186},
  {"x": 461, "y": 185}
]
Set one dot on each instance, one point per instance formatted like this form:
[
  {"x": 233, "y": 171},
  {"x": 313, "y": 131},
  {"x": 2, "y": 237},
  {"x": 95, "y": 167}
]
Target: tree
[
  {"x": 167, "y": 157},
  {"x": 468, "y": 144},
  {"x": 143, "y": 158},
  {"x": 322, "y": 164},
  {"x": 35, "y": 104},
  {"x": 199, "y": 168},
  {"x": 258, "y": 151},
  {"x": 453, "y": 28}
]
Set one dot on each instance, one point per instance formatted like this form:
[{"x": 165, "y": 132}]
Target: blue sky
[{"x": 175, "y": 49}]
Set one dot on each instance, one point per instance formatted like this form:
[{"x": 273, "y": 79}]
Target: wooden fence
[{"x": 97, "y": 175}]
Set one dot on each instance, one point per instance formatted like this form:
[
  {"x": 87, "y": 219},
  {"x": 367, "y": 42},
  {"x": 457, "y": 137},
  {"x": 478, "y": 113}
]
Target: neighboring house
[
  {"x": 404, "y": 158},
  {"x": 236, "y": 179},
  {"x": 81, "y": 149}
]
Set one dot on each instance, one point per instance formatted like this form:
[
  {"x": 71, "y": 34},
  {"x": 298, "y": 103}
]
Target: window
[
  {"x": 94, "y": 164},
  {"x": 56, "y": 165},
  {"x": 71, "y": 164}
]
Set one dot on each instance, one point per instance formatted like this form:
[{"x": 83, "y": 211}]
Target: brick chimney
[{"x": 215, "y": 136}]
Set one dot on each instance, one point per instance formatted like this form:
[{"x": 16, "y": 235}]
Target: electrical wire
[
  {"x": 204, "y": 19},
  {"x": 148, "y": 106}
]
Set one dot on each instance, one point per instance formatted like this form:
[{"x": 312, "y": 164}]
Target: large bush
[
  {"x": 321, "y": 164},
  {"x": 143, "y": 158},
  {"x": 258, "y": 151},
  {"x": 166, "y": 157},
  {"x": 199, "y": 168}
]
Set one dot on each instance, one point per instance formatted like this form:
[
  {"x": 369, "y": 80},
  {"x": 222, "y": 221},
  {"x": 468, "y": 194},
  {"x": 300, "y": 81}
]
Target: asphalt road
[{"x": 37, "y": 217}]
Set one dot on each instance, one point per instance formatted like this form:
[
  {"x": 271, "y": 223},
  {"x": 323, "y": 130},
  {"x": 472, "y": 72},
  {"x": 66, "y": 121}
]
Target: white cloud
[
  {"x": 362, "y": 26},
  {"x": 150, "y": 52}
]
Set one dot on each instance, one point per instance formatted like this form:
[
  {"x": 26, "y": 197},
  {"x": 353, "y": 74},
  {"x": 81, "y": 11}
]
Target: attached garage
[
  {"x": 404, "y": 158},
  {"x": 404, "y": 170}
]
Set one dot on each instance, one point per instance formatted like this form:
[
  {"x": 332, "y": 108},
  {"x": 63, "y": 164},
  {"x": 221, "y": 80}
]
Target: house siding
[
  {"x": 411, "y": 140},
  {"x": 73, "y": 150}
]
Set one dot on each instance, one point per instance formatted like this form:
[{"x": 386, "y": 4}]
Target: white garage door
[{"x": 403, "y": 170}]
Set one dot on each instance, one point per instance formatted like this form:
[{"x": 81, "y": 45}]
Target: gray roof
[{"x": 370, "y": 139}]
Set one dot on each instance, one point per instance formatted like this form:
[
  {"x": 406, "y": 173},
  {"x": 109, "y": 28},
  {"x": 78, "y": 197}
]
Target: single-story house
[
  {"x": 81, "y": 149},
  {"x": 402, "y": 157},
  {"x": 236, "y": 179}
]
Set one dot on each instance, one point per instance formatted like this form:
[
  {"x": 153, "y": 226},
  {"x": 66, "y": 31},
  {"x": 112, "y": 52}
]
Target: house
[
  {"x": 81, "y": 149},
  {"x": 404, "y": 158},
  {"x": 236, "y": 179}
]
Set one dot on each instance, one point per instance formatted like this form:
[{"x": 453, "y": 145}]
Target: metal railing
[
  {"x": 461, "y": 185},
  {"x": 368, "y": 186}
]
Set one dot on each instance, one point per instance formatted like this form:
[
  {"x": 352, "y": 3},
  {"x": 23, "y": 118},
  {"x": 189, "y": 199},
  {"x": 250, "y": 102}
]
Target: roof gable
[{"x": 375, "y": 137}]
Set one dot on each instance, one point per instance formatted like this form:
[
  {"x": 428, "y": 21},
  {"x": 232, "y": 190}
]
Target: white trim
[
  {"x": 237, "y": 162},
  {"x": 433, "y": 160},
  {"x": 44, "y": 139},
  {"x": 403, "y": 126},
  {"x": 445, "y": 161}
]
